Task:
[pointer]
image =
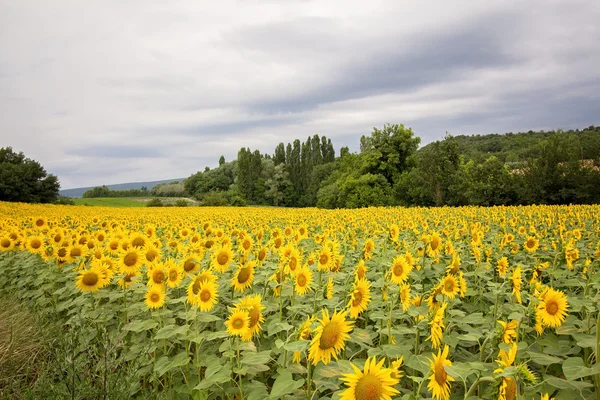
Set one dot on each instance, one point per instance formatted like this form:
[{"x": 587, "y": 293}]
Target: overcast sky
[{"x": 106, "y": 92}]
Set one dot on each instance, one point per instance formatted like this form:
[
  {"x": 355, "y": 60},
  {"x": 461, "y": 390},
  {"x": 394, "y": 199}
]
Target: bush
[
  {"x": 214, "y": 199},
  {"x": 65, "y": 201},
  {"x": 155, "y": 203},
  {"x": 181, "y": 203},
  {"x": 237, "y": 201}
]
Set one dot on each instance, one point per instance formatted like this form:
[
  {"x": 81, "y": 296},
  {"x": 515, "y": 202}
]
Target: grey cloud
[{"x": 117, "y": 151}]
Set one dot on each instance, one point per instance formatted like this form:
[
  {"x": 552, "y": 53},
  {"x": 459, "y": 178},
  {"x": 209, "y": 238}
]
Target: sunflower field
[{"x": 273, "y": 303}]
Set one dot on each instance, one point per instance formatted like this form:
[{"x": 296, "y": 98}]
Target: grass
[
  {"x": 111, "y": 202},
  {"x": 21, "y": 348}
]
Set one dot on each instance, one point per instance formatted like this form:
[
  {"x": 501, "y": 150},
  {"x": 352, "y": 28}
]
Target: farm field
[
  {"x": 126, "y": 201},
  {"x": 272, "y": 303}
]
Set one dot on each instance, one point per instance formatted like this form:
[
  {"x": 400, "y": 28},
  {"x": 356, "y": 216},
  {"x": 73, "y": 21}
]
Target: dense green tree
[
  {"x": 25, "y": 180},
  {"x": 387, "y": 151}
]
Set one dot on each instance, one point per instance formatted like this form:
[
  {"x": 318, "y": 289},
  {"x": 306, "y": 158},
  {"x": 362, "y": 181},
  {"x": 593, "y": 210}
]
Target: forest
[{"x": 554, "y": 167}]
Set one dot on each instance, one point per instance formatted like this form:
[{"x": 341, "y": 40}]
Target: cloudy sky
[{"x": 106, "y": 92}]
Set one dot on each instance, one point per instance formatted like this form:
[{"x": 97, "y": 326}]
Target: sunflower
[
  {"x": 330, "y": 337},
  {"x": 437, "y": 326},
  {"x": 138, "y": 240},
  {"x": 174, "y": 273},
  {"x": 329, "y": 289},
  {"x": 90, "y": 280},
  {"x": 157, "y": 276},
  {"x": 40, "y": 223},
  {"x": 454, "y": 265},
  {"x": 361, "y": 270},
  {"x": 253, "y": 305},
  {"x": 400, "y": 270},
  {"x": 517, "y": 281},
  {"x": 449, "y": 286},
  {"x": 439, "y": 381},
  {"x": 531, "y": 244},
  {"x": 374, "y": 383},
  {"x": 151, "y": 252},
  {"x": 6, "y": 244},
  {"x": 502, "y": 267},
  {"x": 130, "y": 260},
  {"x": 75, "y": 252},
  {"x": 435, "y": 242},
  {"x": 303, "y": 279},
  {"x": 35, "y": 244},
  {"x": 462, "y": 284},
  {"x": 155, "y": 297},
  {"x": 396, "y": 372},
  {"x": 244, "y": 277},
  {"x": 208, "y": 295},
  {"x": 238, "y": 323},
  {"x": 324, "y": 259},
  {"x": 222, "y": 258},
  {"x": 405, "y": 296},
  {"x": 360, "y": 298},
  {"x": 553, "y": 308},
  {"x": 509, "y": 330},
  {"x": 191, "y": 264}
]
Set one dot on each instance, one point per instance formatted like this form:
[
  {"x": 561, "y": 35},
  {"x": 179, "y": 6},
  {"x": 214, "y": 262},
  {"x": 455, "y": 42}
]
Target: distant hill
[
  {"x": 78, "y": 192},
  {"x": 517, "y": 147}
]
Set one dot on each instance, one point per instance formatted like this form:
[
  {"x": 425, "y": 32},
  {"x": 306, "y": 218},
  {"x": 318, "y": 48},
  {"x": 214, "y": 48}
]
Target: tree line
[
  {"x": 513, "y": 169},
  {"x": 171, "y": 189}
]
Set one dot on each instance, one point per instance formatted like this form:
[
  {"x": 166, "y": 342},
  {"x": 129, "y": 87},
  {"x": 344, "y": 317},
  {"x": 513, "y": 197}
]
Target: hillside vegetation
[{"x": 526, "y": 168}]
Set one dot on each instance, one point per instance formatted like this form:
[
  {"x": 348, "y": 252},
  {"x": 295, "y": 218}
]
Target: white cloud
[{"x": 195, "y": 80}]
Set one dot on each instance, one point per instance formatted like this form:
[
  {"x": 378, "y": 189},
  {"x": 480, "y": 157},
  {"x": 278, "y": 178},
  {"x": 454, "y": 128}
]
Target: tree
[
  {"x": 221, "y": 160},
  {"x": 25, "y": 180},
  {"x": 387, "y": 150}
]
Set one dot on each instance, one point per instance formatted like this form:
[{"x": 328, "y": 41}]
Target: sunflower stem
[{"x": 308, "y": 380}]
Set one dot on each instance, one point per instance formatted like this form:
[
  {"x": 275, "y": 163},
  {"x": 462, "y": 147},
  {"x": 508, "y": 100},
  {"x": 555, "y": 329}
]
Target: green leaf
[
  {"x": 564, "y": 384},
  {"x": 285, "y": 384},
  {"x": 418, "y": 362},
  {"x": 140, "y": 326},
  {"x": 259, "y": 358},
  {"x": 298, "y": 345},
  {"x": 574, "y": 368},
  {"x": 171, "y": 332},
  {"x": 543, "y": 359}
]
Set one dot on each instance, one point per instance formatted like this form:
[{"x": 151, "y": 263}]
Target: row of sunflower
[{"x": 254, "y": 303}]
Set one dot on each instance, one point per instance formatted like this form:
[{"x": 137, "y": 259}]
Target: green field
[{"x": 110, "y": 202}]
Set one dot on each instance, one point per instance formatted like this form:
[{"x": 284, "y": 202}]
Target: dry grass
[{"x": 21, "y": 348}]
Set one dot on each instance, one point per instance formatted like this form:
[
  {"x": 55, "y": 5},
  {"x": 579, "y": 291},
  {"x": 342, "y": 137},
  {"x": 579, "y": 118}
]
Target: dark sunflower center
[
  {"x": 368, "y": 387},
  {"x": 246, "y": 244},
  {"x": 254, "y": 316},
  {"x": 62, "y": 252},
  {"x": 130, "y": 259},
  {"x": 511, "y": 389},
  {"x": 435, "y": 243},
  {"x": 36, "y": 243},
  {"x": 244, "y": 275},
  {"x": 398, "y": 269},
  {"x": 90, "y": 279},
  {"x": 223, "y": 258},
  {"x": 357, "y": 298},
  {"x": 205, "y": 295},
  {"x": 552, "y": 307},
  {"x": 238, "y": 323},
  {"x": 449, "y": 286},
  {"x": 531, "y": 243},
  {"x": 76, "y": 252},
  {"x": 262, "y": 254},
  {"x": 151, "y": 255},
  {"x": 440, "y": 373},
  {"x": 173, "y": 275},
  {"x": 189, "y": 265},
  {"x": 154, "y": 297},
  {"x": 292, "y": 264},
  {"x": 329, "y": 336},
  {"x": 323, "y": 259},
  {"x": 159, "y": 276},
  {"x": 39, "y": 222},
  {"x": 301, "y": 280}
]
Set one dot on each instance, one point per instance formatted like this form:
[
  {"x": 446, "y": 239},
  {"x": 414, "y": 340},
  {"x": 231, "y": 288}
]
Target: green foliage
[
  {"x": 25, "y": 180},
  {"x": 534, "y": 167},
  {"x": 155, "y": 203},
  {"x": 109, "y": 202}
]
